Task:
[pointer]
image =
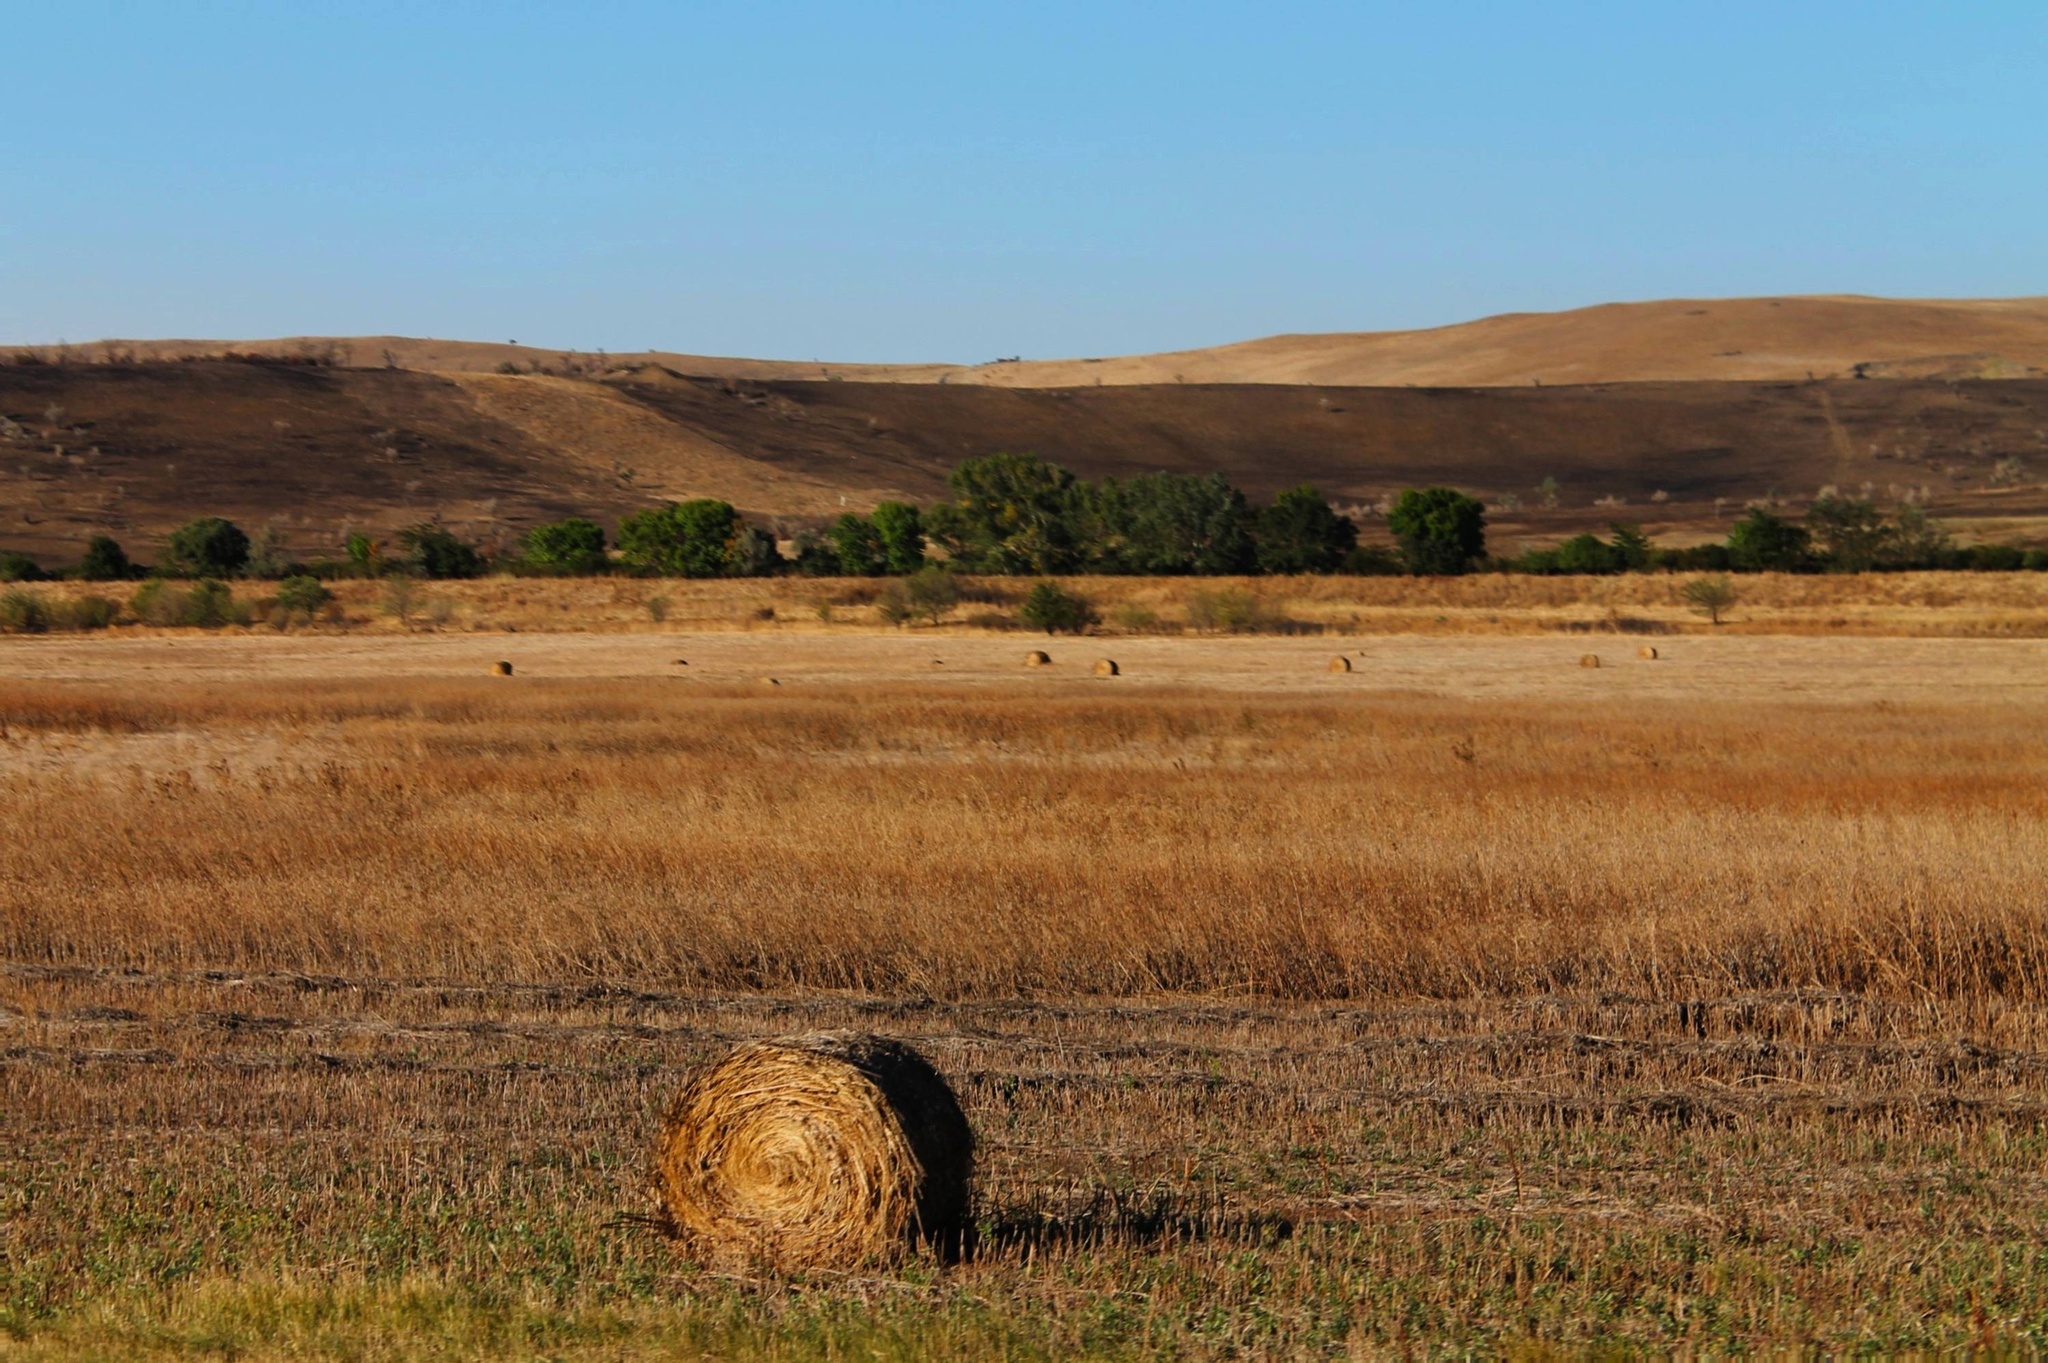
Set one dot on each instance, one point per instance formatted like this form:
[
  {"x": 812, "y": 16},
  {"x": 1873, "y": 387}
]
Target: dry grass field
[{"x": 1468, "y": 1001}]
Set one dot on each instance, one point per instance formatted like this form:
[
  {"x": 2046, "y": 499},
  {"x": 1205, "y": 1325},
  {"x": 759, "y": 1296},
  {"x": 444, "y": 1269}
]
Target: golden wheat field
[{"x": 1470, "y": 1000}]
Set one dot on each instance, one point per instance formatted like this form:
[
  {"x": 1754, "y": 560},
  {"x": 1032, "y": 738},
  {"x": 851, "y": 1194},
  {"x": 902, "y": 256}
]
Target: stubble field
[{"x": 1468, "y": 1000}]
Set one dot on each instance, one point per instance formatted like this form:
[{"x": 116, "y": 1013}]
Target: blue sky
[{"x": 909, "y": 182}]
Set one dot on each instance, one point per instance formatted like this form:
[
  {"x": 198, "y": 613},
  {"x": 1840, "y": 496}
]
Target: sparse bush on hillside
[{"x": 18, "y": 568}]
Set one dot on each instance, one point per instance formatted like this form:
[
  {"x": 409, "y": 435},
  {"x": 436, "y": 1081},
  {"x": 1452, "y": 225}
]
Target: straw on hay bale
[
  {"x": 1340, "y": 663},
  {"x": 1589, "y": 660},
  {"x": 502, "y": 668},
  {"x": 1648, "y": 652},
  {"x": 1037, "y": 657},
  {"x": 1106, "y": 667},
  {"x": 815, "y": 1151}
]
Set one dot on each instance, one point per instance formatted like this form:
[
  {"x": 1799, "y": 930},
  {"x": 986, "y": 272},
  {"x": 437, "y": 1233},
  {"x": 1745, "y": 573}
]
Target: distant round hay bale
[
  {"x": 502, "y": 668},
  {"x": 815, "y": 1151},
  {"x": 771, "y": 681},
  {"x": 1340, "y": 663},
  {"x": 1589, "y": 660},
  {"x": 1038, "y": 657},
  {"x": 1106, "y": 667},
  {"x": 1648, "y": 653}
]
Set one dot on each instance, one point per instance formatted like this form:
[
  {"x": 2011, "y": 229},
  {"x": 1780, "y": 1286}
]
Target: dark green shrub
[
  {"x": 682, "y": 539},
  {"x": 1055, "y": 610},
  {"x": 857, "y": 545},
  {"x": 18, "y": 568},
  {"x": 1440, "y": 530},
  {"x": 1299, "y": 533},
  {"x": 1997, "y": 558},
  {"x": 435, "y": 551},
  {"x": 1372, "y": 560},
  {"x": 900, "y": 528},
  {"x": 105, "y": 561},
  {"x": 1588, "y": 554},
  {"x": 207, "y": 547},
  {"x": 815, "y": 556},
  {"x": 1762, "y": 542},
  {"x": 575, "y": 545}
]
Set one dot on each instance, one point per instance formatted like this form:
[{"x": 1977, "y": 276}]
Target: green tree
[
  {"x": 1440, "y": 530},
  {"x": 682, "y": 539},
  {"x": 1159, "y": 523},
  {"x": 1011, "y": 513},
  {"x": 18, "y": 567},
  {"x": 1300, "y": 533},
  {"x": 814, "y": 555},
  {"x": 575, "y": 545},
  {"x": 753, "y": 553},
  {"x": 1762, "y": 542},
  {"x": 105, "y": 561},
  {"x": 1851, "y": 535},
  {"x": 901, "y": 529},
  {"x": 857, "y": 545},
  {"x": 1918, "y": 540},
  {"x": 433, "y": 550},
  {"x": 1051, "y": 608},
  {"x": 1635, "y": 548},
  {"x": 207, "y": 547},
  {"x": 1587, "y": 554}
]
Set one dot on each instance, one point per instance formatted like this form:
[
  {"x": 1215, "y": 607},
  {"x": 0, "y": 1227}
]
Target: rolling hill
[
  {"x": 311, "y": 451},
  {"x": 1676, "y": 340}
]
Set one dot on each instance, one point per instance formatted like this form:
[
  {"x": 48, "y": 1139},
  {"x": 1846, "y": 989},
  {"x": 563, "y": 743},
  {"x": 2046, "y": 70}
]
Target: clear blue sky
[{"x": 863, "y": 181}]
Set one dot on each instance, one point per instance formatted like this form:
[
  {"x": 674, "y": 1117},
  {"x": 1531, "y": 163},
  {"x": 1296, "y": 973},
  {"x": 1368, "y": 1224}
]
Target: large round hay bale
[
  {"x": 1648, "y": 653},
  {"x": 1038, "y": 657},
  {"x": 1340, "y": 663},
  {"x": 1106, "y": 667},
  {"x": 815, "y": 1151},
  {"x": 502, "y": 668},
  {"x": 1589, "y": 660}
]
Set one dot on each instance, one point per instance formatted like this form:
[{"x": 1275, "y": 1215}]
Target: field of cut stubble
[{"x": 1469, "y": 1001}]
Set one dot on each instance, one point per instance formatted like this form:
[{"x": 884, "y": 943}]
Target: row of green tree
[{"x": 1019, "y": 514}]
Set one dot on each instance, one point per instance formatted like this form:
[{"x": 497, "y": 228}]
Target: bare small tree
[{"x": 1709, "y": 596}]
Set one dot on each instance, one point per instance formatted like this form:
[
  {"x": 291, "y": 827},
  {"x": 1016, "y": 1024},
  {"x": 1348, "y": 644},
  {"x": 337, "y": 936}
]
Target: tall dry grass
[
  {"x": 1937, "y": 604},
  {"x": 915, "y": 840}
]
